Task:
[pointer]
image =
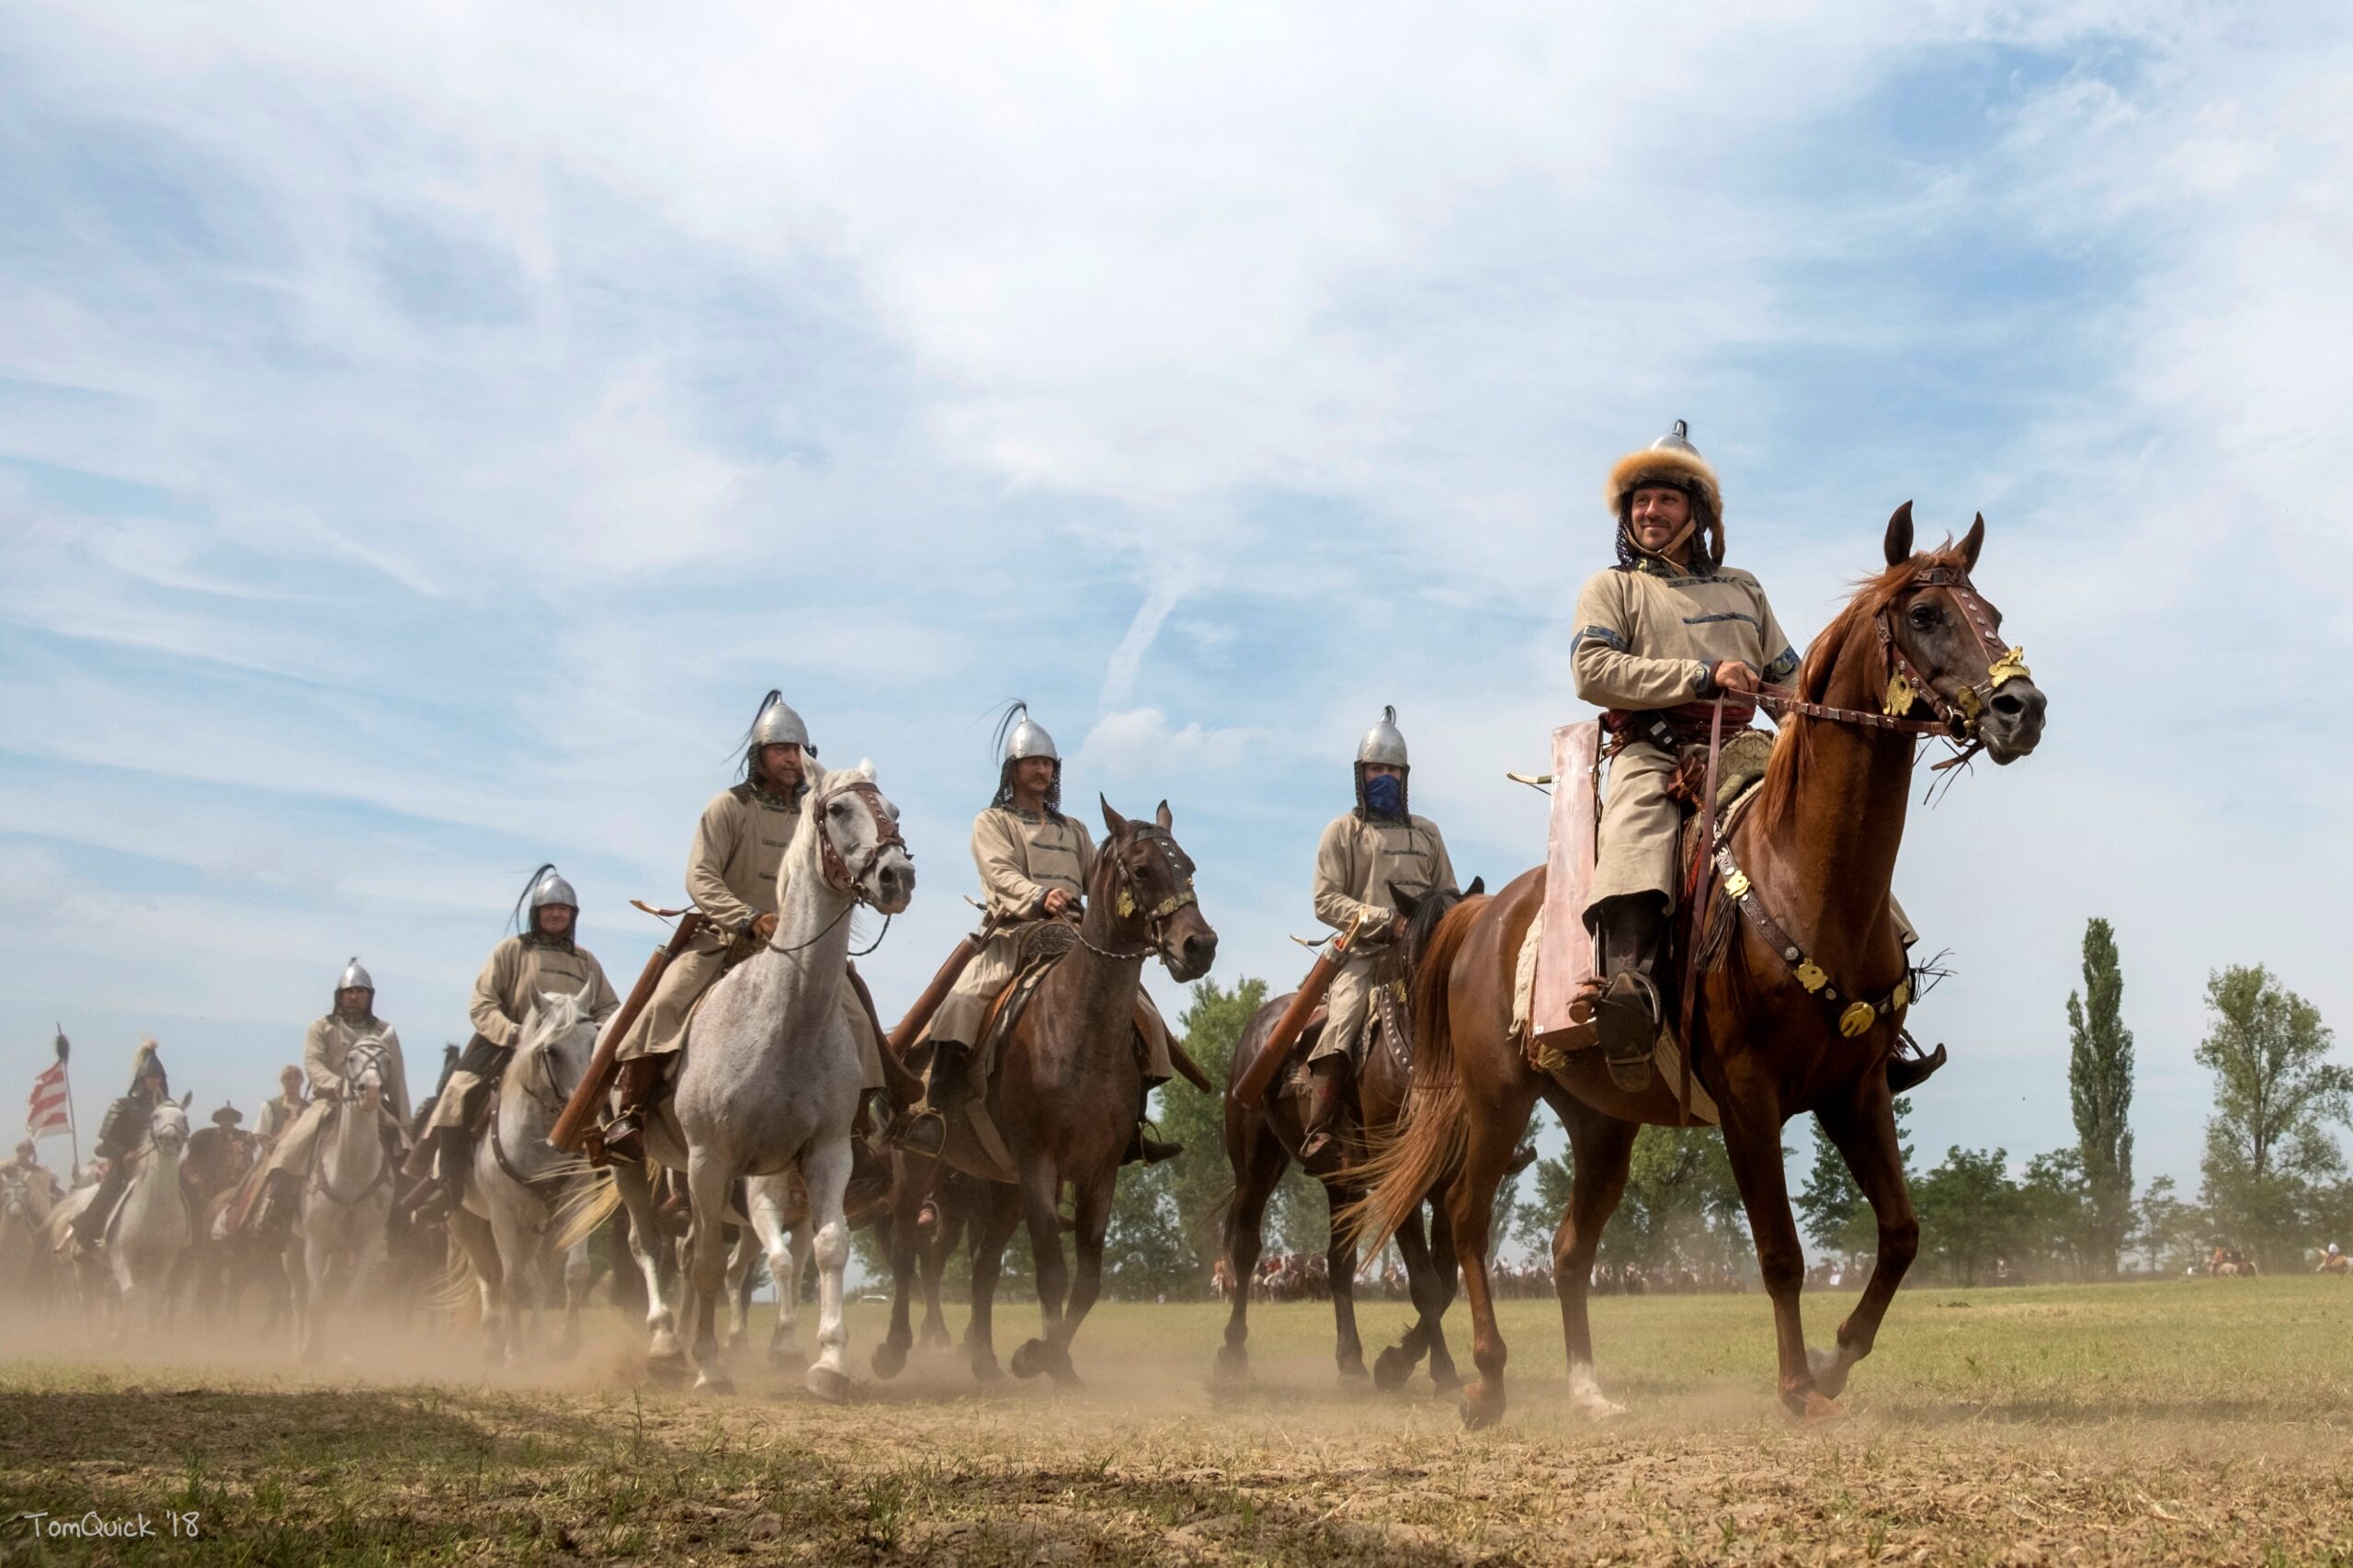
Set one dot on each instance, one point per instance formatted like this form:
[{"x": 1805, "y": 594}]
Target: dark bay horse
[
  {"x": 1819, "y": 848},
  {"x": 1262, "y": 1140},
  {"x": 1064, "y": 1097}
]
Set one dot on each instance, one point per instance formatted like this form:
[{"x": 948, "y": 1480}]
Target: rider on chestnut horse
[
  {"x": 1364, "y": 855},
  {"x": 1034, "y": 864},
  {"x": 542, "y": 959},
  {"x": 731, "y": 874},
  {"x": 1659, "y": 636}
]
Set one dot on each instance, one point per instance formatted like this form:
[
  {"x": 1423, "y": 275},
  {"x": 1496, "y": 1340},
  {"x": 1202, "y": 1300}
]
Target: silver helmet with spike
[
  {"x": 550, "y": 888},
  {"x": 1028, "y": 738},
  {"x": 354, "y": 978},
  {"x": 1382, "y": 742},
  {"x": 779, "y": 725}
]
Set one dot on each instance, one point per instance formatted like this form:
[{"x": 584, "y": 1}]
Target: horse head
[
  {"x": 1945, "y": 650},
  {"x": 860, "y": 851},
  {"x": 558, "y": 1038},
  {"x": 167, "y": 1126},
  {"x": 365, "y": 1068},
  {"x": 1420, "y": 924},
  {"x": 1156, "y": 887}
]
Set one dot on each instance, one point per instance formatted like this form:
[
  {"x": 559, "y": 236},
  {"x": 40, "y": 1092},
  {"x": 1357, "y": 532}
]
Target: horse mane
[
  {"x": 1872, "y": 598},
  {"x": 545, "y": 1023}
]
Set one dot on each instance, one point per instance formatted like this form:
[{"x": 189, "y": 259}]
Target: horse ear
[
  {"x": 1899, "y": 535},
  {"x": 1113, "y": 822},
  {"x": 1478, "y": 885},
  {"x": 1165, "y": 818},
  {"x": 187, "y": 1099},
  {"x": 1974, "y": 542},
  {"x": 1407, "y": 904}
]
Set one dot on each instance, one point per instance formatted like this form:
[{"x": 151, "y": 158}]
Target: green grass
[{"x": 2200, "y": 1421}]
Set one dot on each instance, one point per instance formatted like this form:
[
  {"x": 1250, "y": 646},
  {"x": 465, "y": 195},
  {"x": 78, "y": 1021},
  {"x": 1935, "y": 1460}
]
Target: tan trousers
[{"x": 1347, "y": 1006}]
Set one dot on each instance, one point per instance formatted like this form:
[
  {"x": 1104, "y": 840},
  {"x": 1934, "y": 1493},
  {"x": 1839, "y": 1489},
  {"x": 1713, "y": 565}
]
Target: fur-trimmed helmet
[
  {"x": 1383, "y": 743},
  {"x": 1671, "y": 460},
  {"x": 1020, "y": 738}
]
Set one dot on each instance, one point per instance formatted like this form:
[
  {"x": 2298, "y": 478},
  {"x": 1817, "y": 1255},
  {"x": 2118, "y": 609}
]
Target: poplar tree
[{"x": 2099, "y": 1088}]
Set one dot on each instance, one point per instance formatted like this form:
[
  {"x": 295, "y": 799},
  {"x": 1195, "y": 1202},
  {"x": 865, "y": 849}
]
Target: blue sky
[{"x": 424, "y": 436}]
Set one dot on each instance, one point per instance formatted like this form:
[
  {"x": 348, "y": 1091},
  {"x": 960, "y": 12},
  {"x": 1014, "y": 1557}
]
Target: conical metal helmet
[
  {"x": 549, "y": 887},
  {"x": 355, "y": 978},
  {"x": 1382, "y": 742},
  {"x": 1028, "y": 738},
  {"x": 779, "y": 725}
]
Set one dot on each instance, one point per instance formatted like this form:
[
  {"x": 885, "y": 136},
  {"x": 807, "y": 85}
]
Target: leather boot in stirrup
[{"x": 1627, "y": 1013}]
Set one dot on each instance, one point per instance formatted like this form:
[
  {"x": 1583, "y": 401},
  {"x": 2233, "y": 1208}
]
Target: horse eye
[{"x": 1924, "y": 616}]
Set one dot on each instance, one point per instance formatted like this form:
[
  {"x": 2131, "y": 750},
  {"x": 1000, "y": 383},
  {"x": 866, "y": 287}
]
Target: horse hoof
[
  {"x": 1233, "y": 1365},
  {"x": 1481, "y": 1409},
  {"x": 934, "y": 1338},
  {"x": 890, "y": 1358},
  {"x": 1814, "y": 1409},
  {"x": 666, "y": 1369},
  {"x": 1352, "y": 1369},
  {"x": 828, "y": 1385},
  {"x": 1445, "y": 1381},
  {"x": 1389, "y": 1370},
  {"x": 1830, "y": 1370},
  {"x": 986, "y": 1370},
  {"x": 787, "y": 1359},
  {"x": 714, "y": 1383},
  {"x": 1030, "y": 1360}
]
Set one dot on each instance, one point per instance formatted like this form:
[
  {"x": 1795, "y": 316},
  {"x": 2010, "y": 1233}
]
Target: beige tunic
[
  {"x": 324, "y": 1051},
  {"x": 517, "y": 974},
  {"x": 278, "y": 1113},
  {"x": 1356, "y": 863},
  {"x": 1022, "y": 856},
  {"x": 1645, "y": 638},
  {"x": 732, "y": 868}
]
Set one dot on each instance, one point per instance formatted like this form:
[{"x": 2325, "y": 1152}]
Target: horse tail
[
  {"x": 585, "y": 1209},
  {"x": 1431, "y": 1131}
]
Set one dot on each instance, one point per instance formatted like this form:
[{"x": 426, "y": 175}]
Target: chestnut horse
[
  {"x": 1261, "y": 1142},
  {"x": 1064, "y": 1097},
  {"x": 1819, "y": 848}
]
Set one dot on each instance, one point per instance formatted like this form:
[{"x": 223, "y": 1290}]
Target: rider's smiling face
[{"x": 1658, "y": 513}]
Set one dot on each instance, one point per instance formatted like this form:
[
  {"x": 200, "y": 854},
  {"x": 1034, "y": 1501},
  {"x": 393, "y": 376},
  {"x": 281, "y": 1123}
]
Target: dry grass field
[{"x": 2183, "y": 1422}]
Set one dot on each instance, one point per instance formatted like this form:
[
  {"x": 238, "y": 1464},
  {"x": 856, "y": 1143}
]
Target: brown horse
[
  {"x": 1065, "y": 1096},
  {"x": 1262, "y": 1140},
  {"x": 1819, "y": 848}
]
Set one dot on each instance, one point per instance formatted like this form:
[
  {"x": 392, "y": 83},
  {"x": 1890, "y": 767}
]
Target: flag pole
[{"x": 73, "y": 1131}]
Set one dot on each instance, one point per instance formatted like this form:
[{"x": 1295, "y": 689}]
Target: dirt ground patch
[{"x": 2181, "y": 1422}]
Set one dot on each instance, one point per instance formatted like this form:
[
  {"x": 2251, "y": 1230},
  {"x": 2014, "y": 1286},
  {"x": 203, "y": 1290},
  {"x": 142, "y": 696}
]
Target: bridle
[
  {"x": 344, "y": 1097},
  {"x": 1957, "y": 719},
  {"x": 1130, "y": 900},
  {"x": 839, "y": 874}
]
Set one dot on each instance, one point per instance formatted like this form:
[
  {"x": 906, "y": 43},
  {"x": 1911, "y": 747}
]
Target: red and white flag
[{"x": 52, "y": 1109}]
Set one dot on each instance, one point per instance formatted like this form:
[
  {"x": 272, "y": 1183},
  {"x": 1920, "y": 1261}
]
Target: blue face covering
[{"x": 1385, "y": 794}]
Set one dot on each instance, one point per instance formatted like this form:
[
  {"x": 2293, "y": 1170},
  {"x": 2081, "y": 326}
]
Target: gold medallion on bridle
[
  {"x": 1900, "y": 695},
  {"x": 1810, "y": 975},
  {"x": 1858, "y": 1020},
  {"x": 2010, "y": 666}
]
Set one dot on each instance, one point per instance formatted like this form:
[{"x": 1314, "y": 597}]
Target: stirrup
[
  {"x": 624, "y": 1137},
  {"x": 1627, "y": 1028},
  {"x": 924, "y": 1133},
  {"x": 1320, "y": 1152}
]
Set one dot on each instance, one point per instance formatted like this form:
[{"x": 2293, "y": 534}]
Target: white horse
[
  {"x": 770, "y": 1076},
  {"x": 522, "y": 1189},
  {"x": 346, "y": 1201},
  {"x": 149, "y": 1230},
  {"x": 25, "y": 1270}
]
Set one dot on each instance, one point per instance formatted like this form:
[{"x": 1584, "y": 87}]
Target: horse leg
[
  {"x": 708, "y": 1178},
  {"x": 1862, "y": 1129},
  {"x": 1256, "y": 1174},
  {"x": 1752, "y": 1125},
  {"x": 1041, "y": 1187},
  {"x": 475, "y": 1238},
  {"x": 1002, "y": 1214},
  {"x": 1494, "y": 1132},
  {"x": 1094, "y": 1225},
  {"x": 931, "y": 1262},
  {"x": 1394, "y": 1365},
  {"x": 825, "y": 1172},
  {"x": 663, "y": 1356},
  {"x": 784, "y": 1262},
  {"x": 1340, "y": 1266},
  {"x": 905, "y": 1242},
  {"x": 1601, "y": 1149},
  {"x": 577, "y": 1267}
]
